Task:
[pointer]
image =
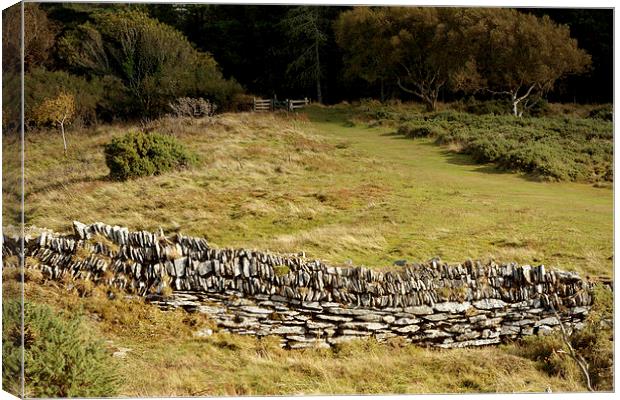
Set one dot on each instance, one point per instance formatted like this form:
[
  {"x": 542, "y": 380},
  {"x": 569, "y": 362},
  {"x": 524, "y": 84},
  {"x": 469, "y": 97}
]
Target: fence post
[{"x": 254, "y": 104}]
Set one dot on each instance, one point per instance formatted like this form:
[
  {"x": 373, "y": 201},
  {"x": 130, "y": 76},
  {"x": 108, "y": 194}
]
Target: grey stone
[
  {"x": 468, "y": 336},
  {"x": 419, "y": 310},
  {"x": 523, "y": 322},
  {"x": 435, "y": 317},
  {"x": 580, "y": 310},
  {"x": 256, "y": 310},
  {"x": 468, "y": 343},
  {"x": 452, "y": 307},
  {"x": 353, "y": 332},
  {"x": 435, "y": 333},
  {"x": 370, "y": 326},
  {"x": 551, "y": 321},
  {"x": 527, "y": 331},
  {"x": 318, "y": 325},
  {"x": 544, "y": 330},
  {"x": 334, "y": 318},
  {"x": 388, "y": 319},
  {"x": 407, "y": 329},
  {"x": 121, "y": 352},
  {"x": 406, "y": 321},
  {"x": 489, "y": 304},
  {"x": 203, "y": 332},
  {"x": 287, "y": 330},
  {"x": 369, "y": 317},
  {"x": 457, "y": 328},
  {"x": 341, "y": 339},
  {"x": 384, "y": 336},
  {"x": 510, "y": 330},
  {"x": 80, "y": 230}
]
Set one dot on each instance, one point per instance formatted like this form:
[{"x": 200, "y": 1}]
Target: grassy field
[
  {"x": 340, "y": 191},
  {"x": 180, "y": 364}
]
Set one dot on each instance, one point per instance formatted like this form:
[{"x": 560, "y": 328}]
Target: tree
[
  {"x": 154, "y": 61},
  {"x": 306, "y": 27},
  {"x": 39, "y": 36},
  {"x": 58, "y": 110},
  {"x": 423, "y": 49},
  {"x": 362, "y": 33},
  {"x": 522, "y": 56}
]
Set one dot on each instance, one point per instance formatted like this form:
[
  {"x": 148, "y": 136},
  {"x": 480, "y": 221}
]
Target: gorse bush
[
  {"x": 606, "y": 113},
  {"x": 139, "y": 154},
  {"x": 566, "y": 149},
  {"x": 60, "y": 360},
  {"x": 415, "y": 130}
]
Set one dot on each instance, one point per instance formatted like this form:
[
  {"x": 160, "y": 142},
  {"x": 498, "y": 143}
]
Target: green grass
[
  {"x": 556, "y": 147},
  {"x": 335, "y": 191},
  {"x": 338, "y": 191}
]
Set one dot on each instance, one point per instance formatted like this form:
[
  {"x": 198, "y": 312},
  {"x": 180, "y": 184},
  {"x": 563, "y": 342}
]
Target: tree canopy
[
  {"x": 427, "y": 49},
  {"x": 523, "y": 55},
  {"x": 155, "y": 62},
  {"x": 125, "y": 61}
]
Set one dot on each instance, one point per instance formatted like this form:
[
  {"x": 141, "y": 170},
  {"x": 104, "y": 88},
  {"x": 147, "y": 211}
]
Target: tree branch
[
  {"x": 400, "y": 85},
  {"x": 581, "y": 362}
]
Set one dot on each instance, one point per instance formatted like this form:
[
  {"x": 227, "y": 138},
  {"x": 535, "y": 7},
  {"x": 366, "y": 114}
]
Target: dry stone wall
[{"x": 309, "y": 303}]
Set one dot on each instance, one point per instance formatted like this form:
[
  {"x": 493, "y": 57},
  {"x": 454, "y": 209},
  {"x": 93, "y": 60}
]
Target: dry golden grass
[{"x": 182, "y": 364}]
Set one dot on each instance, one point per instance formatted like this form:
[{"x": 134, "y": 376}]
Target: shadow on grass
[
  {"x": 464, "y": 159},
  {"x": 394, "y": 135},
  {"x": 486, "y": 168}
]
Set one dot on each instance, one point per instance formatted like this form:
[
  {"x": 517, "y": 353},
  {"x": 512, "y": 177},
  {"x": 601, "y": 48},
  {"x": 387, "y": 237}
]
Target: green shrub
[
  {"x": 156, "y": 67},
  {"x": 416, "y": 129},
  {"x": 540, "y": 108},
  {"x": 139, "y": 154},
  {"x": 493, "y": 107},
  {"x": 606, "y": 113},
  {"x": 60, "y": 359}
]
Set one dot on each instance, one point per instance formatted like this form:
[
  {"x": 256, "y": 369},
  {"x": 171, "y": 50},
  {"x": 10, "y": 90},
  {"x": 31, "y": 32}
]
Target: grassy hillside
[
  {"x": 317, "y": 184},
  {"x": 337, "y": 190}
]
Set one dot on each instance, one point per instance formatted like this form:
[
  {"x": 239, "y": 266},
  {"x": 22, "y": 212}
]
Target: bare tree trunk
[
  {"x": 319, "y": 95},
  {"x": 434, "y": 103},
  {"x": 64, "y": 140},
  {"x": 515, "y": 105},
  {"x": 382, "y": 91},
  {"x": 516, "y": 100},
  {"x": 578, "y": 358}
]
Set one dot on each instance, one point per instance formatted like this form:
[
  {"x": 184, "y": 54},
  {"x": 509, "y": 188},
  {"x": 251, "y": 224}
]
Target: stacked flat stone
[{"x": 308, "y": 302}]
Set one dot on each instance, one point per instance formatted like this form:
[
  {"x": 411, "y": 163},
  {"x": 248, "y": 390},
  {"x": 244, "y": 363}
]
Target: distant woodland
[{"x": 129, "y": 61}]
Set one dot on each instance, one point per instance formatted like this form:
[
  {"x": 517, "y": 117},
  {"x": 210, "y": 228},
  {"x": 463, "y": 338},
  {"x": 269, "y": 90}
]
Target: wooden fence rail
[
  {"x": 263, "y": 105},
  {"x": 293, "y": 105},
  {"x": 267, "y": 105}
]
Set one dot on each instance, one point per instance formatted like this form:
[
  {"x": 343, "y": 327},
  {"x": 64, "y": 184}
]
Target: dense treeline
[{"x": 130, "y": 61}]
